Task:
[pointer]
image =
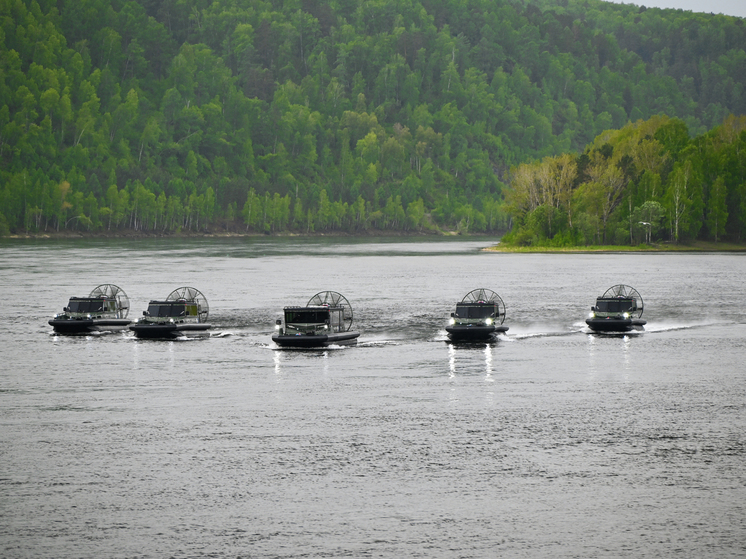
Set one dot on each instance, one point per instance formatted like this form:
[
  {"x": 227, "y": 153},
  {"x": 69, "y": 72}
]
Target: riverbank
[
  {"x": 697, "y": 246},
  {"x": 130, "y": 234}
]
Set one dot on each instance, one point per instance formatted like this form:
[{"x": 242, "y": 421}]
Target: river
[{"x": 551, "y": 442}]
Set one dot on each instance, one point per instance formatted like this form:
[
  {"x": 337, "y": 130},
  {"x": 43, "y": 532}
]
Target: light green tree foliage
[
  {"x": 642, "y": 183},
  {"x": 717, "y": 211}
]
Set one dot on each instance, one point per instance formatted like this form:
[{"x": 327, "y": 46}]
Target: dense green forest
[
  {"x": 646, "y": 183},
  {"x": 163, "y": 116}
]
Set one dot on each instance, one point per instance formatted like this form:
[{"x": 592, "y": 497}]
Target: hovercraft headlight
[
  {"x": 452, "y": 321},
  {"x": 625, "y": 315},
  {"x": 488, "y": 322},
  {"x": 592, "y": 315}
]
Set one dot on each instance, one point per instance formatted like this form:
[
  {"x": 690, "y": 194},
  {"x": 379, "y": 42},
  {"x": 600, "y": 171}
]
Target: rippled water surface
[{"x": 551, "y": 442}]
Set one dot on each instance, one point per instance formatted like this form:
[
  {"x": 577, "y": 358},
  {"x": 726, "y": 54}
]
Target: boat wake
[
  {"x": 441, "y": 336},
  {"x": 93, "y": 333},
  {"x": 656, "y": 327},
  {"x": 659, "y": 328},
  {"x": 377, "y": 343},
  {"x": 221, "y": 334},
  {"x": 544, "y": 331}
]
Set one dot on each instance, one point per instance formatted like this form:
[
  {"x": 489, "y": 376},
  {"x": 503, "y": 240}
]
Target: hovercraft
[
  {"x": 619, "y": 309},
  {"x": 183, "y": 314},
  {"x": 479, "y": 317},
  {"x": 325, "y": 320},
  {"x": 105, "y": 309}
]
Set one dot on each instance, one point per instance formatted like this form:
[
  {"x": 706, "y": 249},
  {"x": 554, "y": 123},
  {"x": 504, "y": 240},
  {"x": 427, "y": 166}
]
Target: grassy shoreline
[{"x": 697, "y": 246}]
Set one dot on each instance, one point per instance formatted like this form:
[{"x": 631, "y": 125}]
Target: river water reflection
[{"x": 551, "y": 442}]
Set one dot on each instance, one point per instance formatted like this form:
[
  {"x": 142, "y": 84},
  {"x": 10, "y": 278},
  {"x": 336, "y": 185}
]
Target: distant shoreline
[
  {"x": 128, "y": 234},
  {"x": 698, "y": 246}
]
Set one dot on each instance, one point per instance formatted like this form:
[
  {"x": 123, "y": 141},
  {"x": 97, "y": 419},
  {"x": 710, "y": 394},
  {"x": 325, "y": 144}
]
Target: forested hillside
[
  {"x": 646, "y": 183},
  {"x": 308, "y": 115}
]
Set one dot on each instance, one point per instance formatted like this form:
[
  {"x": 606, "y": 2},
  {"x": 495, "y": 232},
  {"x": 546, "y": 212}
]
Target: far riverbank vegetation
[
  {"x": 644, "y": 184},
  {"x": 554, "y": 123}
]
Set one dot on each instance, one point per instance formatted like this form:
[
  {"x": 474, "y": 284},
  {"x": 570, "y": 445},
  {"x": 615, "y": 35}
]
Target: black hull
[
  {"x": 171, "y": 331},
  {"x": 325, "y": 340},
  {"x": 615, "y": 324},
  {"x": 88, "y": 325},
  {"x": 474, "y": 333}
]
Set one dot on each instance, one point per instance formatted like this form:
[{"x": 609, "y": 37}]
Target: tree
[
  {"x": 606, "y": 187},
  {"x": 717, "y": 213},
  {"x": 323, "y": 214},
  {"x": 678, "y": 198},
  {"x": 648, "y": 219}
]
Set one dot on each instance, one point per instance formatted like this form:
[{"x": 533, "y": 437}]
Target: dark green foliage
[{"x": 180, "y": 115}]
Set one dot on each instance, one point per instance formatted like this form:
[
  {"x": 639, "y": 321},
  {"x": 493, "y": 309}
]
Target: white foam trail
[
  {"x": 376, "y": 343},
  {"x": 541, "y": 331},
  {"x": 221, "y": 334},
  {"x": 673, "y": 326}
]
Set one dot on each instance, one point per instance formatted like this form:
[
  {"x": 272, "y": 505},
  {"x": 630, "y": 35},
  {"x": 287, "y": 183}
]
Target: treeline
[
  {"x": 646, "y": 183},
  {"x": 136, "y": 207},
  {"x": 168, "y": 115}
]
